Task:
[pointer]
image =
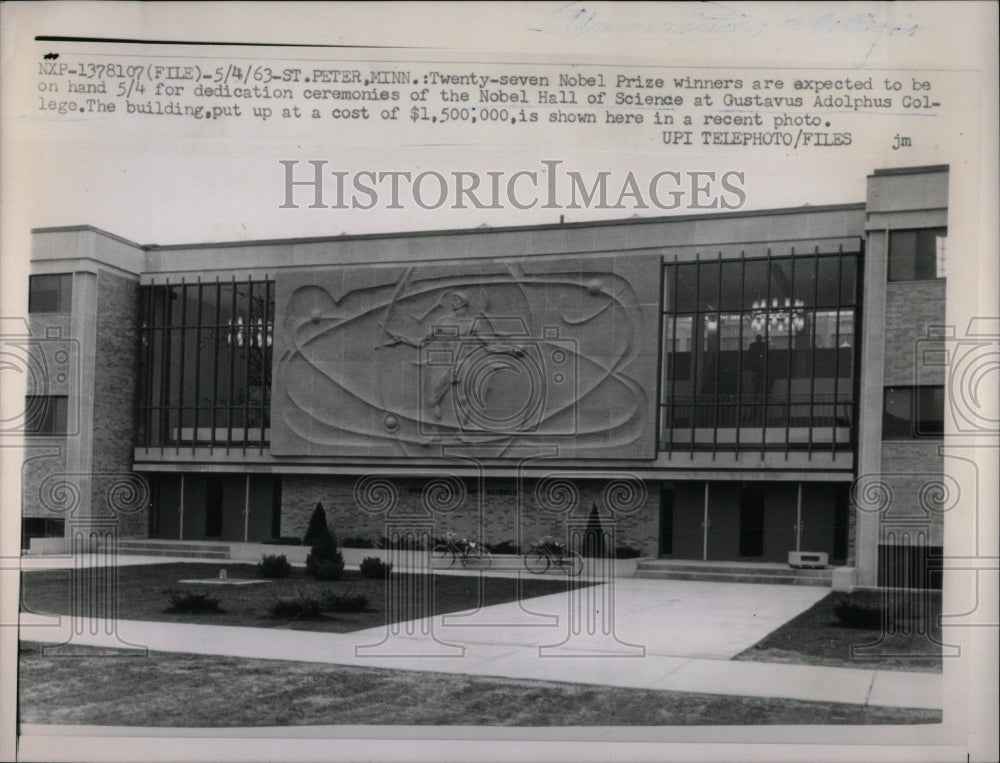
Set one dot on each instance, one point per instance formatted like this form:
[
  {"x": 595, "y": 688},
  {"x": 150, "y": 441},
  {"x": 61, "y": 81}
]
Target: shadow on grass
[{"x": 142, "y": 595}]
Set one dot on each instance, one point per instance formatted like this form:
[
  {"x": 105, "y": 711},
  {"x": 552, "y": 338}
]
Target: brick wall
[
  {"x": 910, "y": 307},
  {"x": 300, "y": 494},
  {"x": 909, "y": 467},
  {"x": 115, "y": 375},
  {"x": 912, "y": 470}
]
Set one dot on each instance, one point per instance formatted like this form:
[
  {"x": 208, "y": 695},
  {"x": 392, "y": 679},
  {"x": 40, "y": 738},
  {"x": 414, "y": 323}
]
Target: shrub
[
  {"x": 300, "y": 606},
  {"x": 318, "y": 530},
  {"x": 860, "y": 612},
  {"x": 357, "y": 542},
  {"x": 503, "y": 547},
  {"x": 188, "y": 603},
  {"x": 594, "y": 543},
  {"x": 283, "y": 541},
  {"x": 350, "y": 601},
  {"x": 325, "y": 562},
  {"x": 373, "y": 567},
  {"x": 274, "y": 566},
  {"x": 627, "y": 552}
]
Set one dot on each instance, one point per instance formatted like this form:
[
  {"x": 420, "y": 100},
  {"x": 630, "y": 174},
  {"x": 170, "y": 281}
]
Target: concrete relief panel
[{"x": 491, "y": 355}]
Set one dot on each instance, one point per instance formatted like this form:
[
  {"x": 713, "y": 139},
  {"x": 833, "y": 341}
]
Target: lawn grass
[
  {"x": 817, "y": 637},
  {"x": 164, "y": 689},
  {"x": 142, "y": 595}
]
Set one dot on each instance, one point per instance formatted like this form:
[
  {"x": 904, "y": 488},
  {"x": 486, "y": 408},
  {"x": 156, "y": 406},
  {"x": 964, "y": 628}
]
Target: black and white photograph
[{"x": 528, "y": 381}]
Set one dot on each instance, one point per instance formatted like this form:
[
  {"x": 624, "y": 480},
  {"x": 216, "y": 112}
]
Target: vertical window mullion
[
  {"x": 232, "y": 364},
  {"x": 265, "y": 365},
  {"x": 718, "y": 357},
  {"x": 739, "y": 353},
  {"x": 197, "y": 367},
  {"x": 181, "y": 370},
  {"x": 247, "y": 350},
  {"x": 791, "y": 331},
  {"x": 836, "y": 350},
  {"x": 696, "y": 341},
  {"x": 767, "y": 352},
  {"x": 673, "y": 354},
  {"x": 215, "y": 363},
  {"x": 165, "y": 367},
  {"x": 812, "y": 362},
  {"x": 150, "y": 354}
]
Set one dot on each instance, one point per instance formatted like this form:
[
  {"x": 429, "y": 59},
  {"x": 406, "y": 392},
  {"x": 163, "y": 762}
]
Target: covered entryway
[
  {"x": 226, "y": 507},
  {"x": 752, "y": 521}
]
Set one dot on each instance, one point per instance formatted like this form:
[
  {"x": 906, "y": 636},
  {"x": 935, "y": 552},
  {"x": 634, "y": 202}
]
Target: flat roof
[{"x": 463, "y": 231}]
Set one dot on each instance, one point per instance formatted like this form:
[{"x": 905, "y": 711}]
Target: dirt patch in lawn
[
  {"x": 143, "y": 595},
  {"x": 907, "y": 637},
  {"x": 208, "y": 691}
]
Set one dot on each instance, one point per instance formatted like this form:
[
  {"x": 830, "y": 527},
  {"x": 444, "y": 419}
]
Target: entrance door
[
  {"x": 214, "y": 493},
  {"x": 752, "y": 522}
]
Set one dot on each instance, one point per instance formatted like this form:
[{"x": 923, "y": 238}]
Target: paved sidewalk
[{"x": 650, "y": 634}]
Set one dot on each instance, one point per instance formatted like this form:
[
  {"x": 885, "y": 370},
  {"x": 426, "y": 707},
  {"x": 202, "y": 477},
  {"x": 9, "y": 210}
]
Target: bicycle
[
  {"x": 469, "y": 553},
  {"x": 548, "y": 553}
]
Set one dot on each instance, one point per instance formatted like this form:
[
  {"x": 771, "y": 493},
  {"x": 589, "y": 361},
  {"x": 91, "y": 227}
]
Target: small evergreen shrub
[
  {"x": 373, "y": 567},
  {"x": 275, "y": 566},
  {"x": 627, "y": 552},
  {"x": 354, "y": 541},
  {"x": 298, "y": 607},
  {"x": 350, "y": 601},
  {"x": 188, "y": 603},
  {"x": 318, "y": 530},
  {"x": 325, "y": 562}
]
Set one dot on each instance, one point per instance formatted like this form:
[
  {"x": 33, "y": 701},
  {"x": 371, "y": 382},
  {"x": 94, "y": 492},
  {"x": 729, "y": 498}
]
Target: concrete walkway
[{"x": 651, "y": 634}]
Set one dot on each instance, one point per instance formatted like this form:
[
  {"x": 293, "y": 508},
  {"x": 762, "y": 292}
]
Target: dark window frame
[
  {"x": 46, "y": 415},
  {"x": 917, "y": 425},
  {"x": 915, "y": 259},
  {"x": 63, "y": 291}
]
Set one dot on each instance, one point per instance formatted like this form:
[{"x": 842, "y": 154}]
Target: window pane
[
  {"x": 781, "y": 281},
  {"x": 848, "y": 276},
  {"x": 828, "y": 285},
  {"x": 731, "y": 278},
  {"x": 917, "y": 254},
  {"x": 686, "y": 286},
  {"x": 897, "y": 413},
  {"x": 708, "y": 286},
  {"x": 45, "y": 414},
  {"x": 805, "y": 280},
  {"x": 930, "y": 411},
  {"x": 50, "y": 293},
  {"x": 755, "y": 283}
]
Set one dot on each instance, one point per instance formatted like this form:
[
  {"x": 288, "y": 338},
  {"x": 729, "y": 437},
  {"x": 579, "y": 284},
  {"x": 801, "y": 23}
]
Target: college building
[{"x": 747, "y": 387}]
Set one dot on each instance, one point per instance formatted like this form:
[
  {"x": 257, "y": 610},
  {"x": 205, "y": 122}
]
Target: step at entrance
[{"x": 733, "y": 572}]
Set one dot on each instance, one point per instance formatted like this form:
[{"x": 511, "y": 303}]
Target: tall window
[
  {"x": 917, "y": 255},
  {"x": 50, "y": 293},
  {"x": 206, "y": 372},
  {"x": 759, "y": 353},
  {"x": 911, "y": 413}
]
